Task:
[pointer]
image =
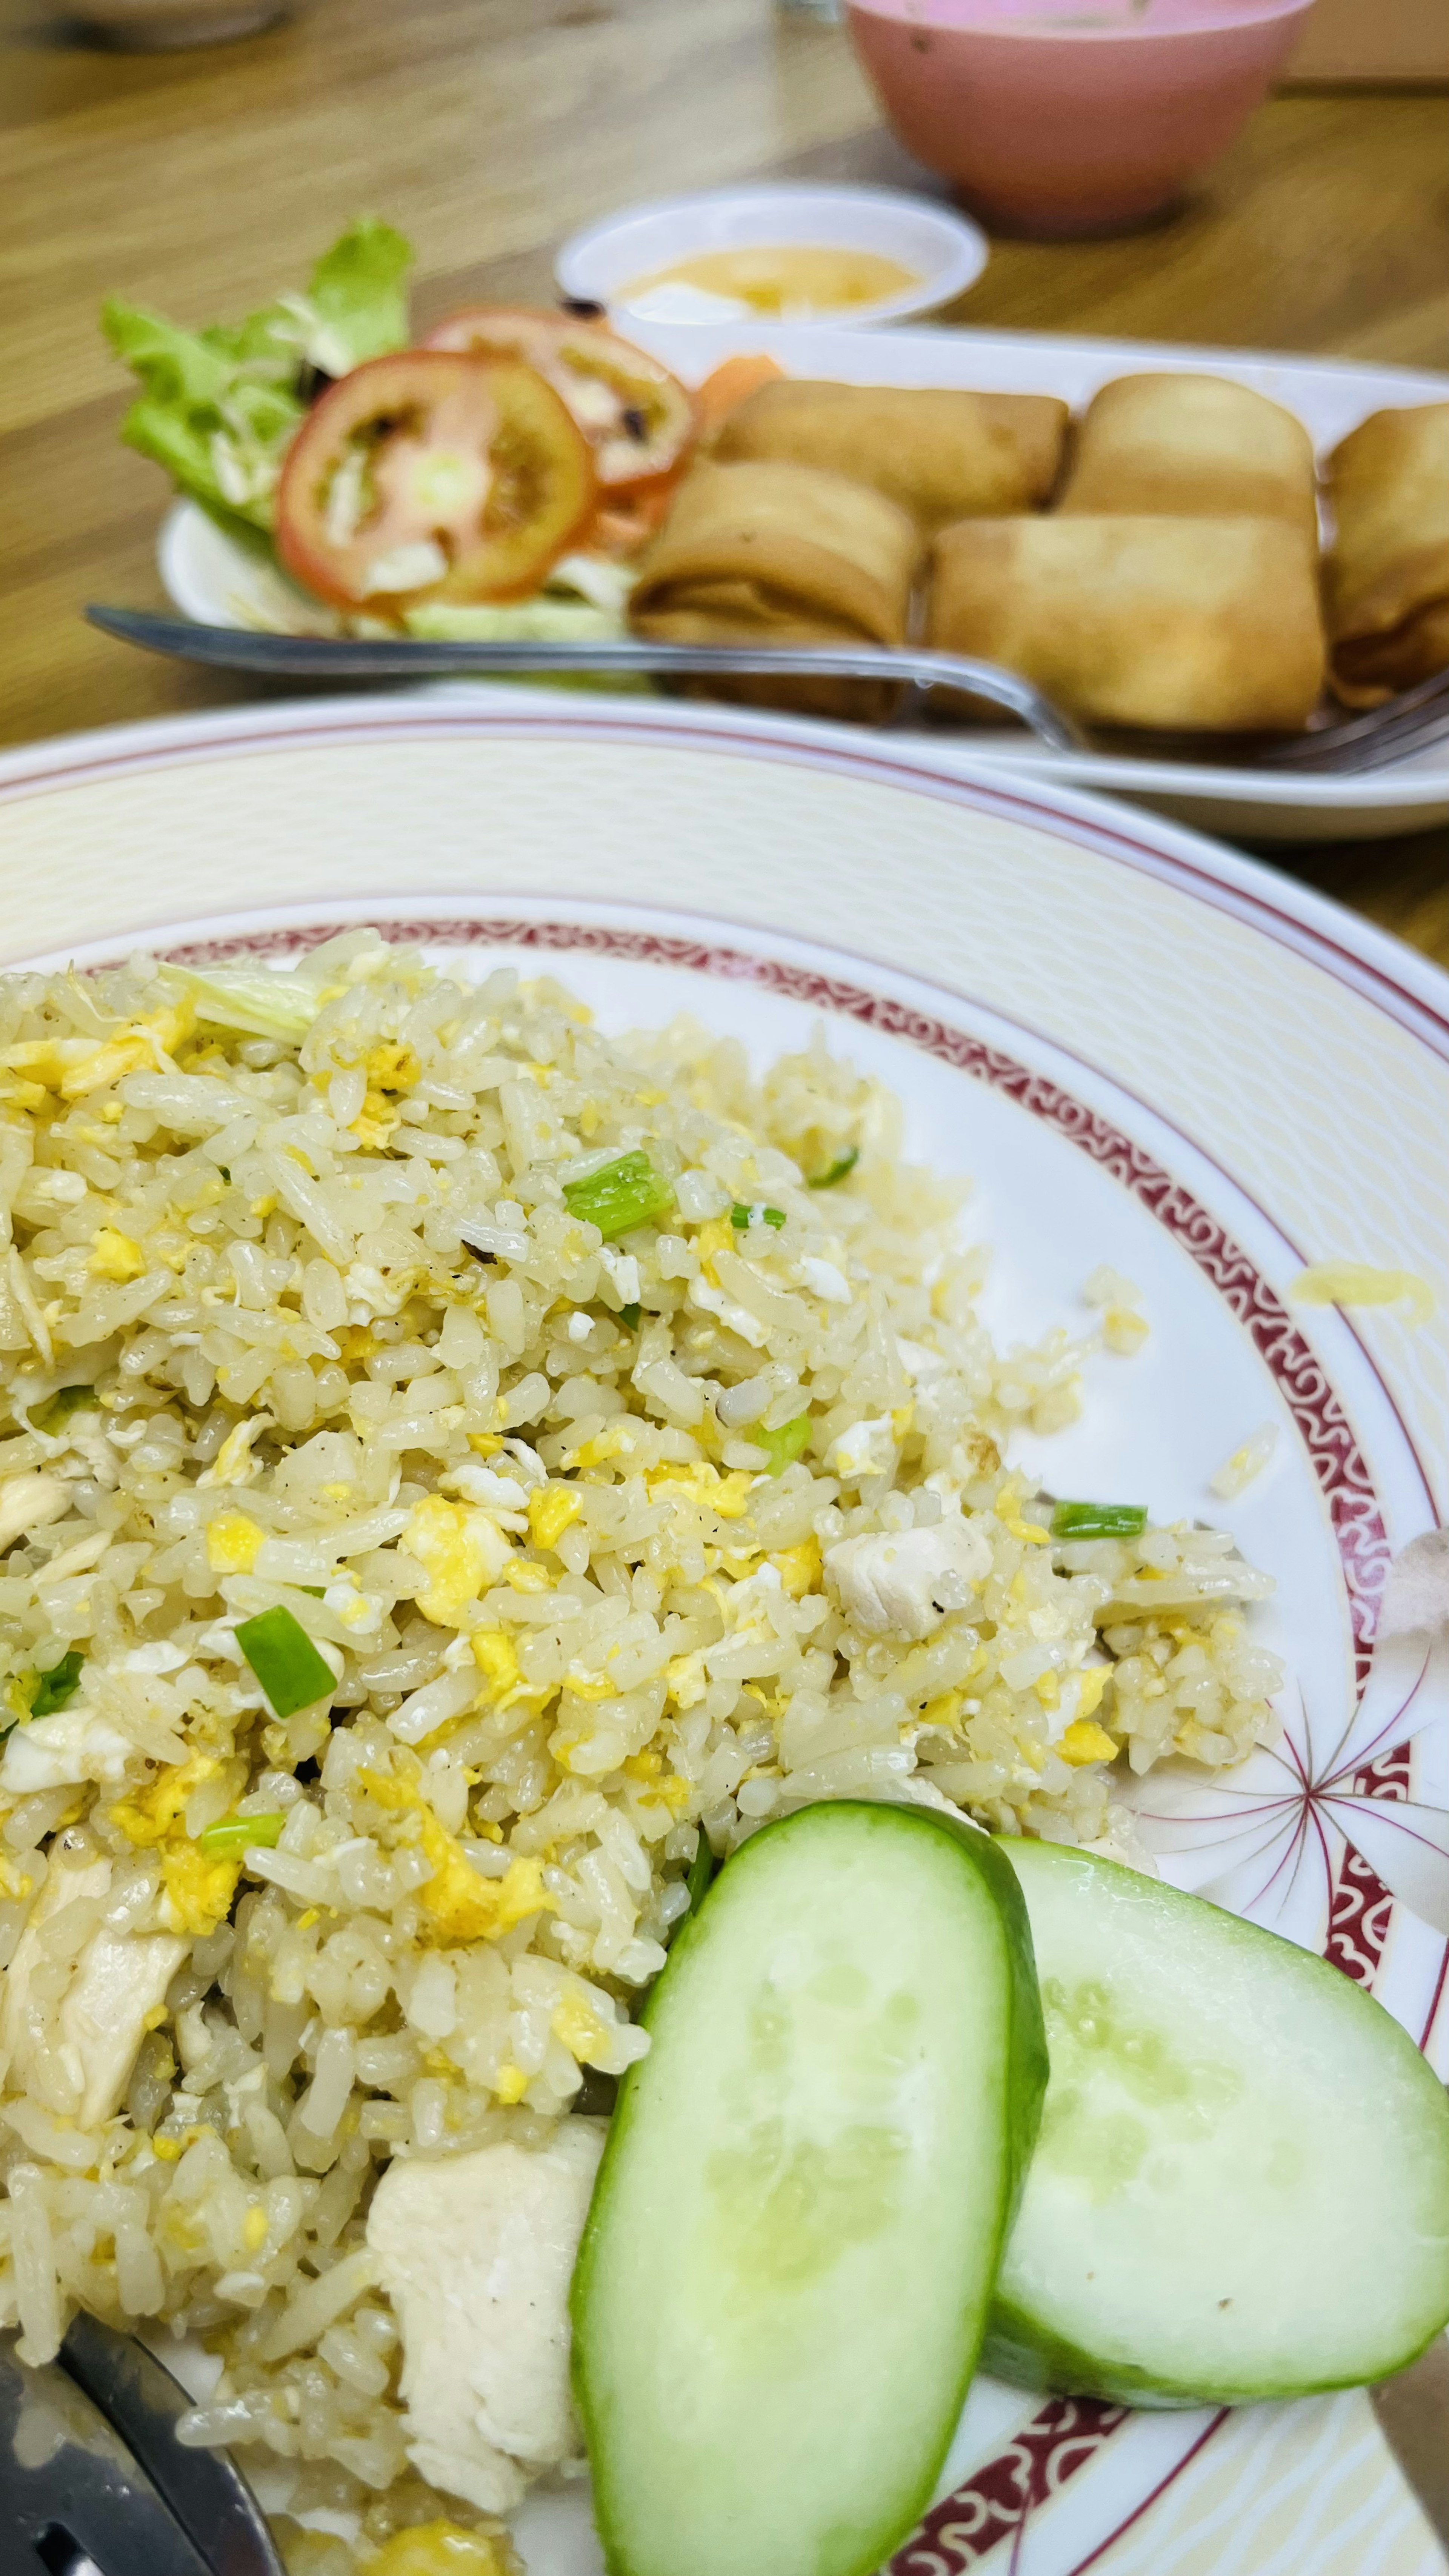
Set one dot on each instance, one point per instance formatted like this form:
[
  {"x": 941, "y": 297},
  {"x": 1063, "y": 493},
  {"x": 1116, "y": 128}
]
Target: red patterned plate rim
[{"x": 1408, "y": 987}]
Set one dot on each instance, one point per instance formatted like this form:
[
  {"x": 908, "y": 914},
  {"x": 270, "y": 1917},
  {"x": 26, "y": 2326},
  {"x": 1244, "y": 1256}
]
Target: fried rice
[{"x": 302, "y": 1311}]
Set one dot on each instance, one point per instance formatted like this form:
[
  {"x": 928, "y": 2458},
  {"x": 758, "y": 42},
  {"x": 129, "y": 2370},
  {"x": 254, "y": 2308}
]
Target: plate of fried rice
[{"x": 564, "y": 1273}]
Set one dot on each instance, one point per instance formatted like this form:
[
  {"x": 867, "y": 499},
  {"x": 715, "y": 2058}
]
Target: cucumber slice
[
  {"x": 1241, "y": 2188},
  {"x": 784, "y": 2278}
]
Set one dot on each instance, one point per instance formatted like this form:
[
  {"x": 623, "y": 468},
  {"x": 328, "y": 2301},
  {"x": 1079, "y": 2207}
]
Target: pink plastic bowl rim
[{"x": 1110, "y": 21}]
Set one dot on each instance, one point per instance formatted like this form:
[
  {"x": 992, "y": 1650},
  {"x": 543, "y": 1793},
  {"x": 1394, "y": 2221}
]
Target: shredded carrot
[{"x": 725, "y": 390}]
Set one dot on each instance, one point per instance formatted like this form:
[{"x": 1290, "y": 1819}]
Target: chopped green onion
[
  {"x": 701, "y": 1871},
  {"x": 629, "y": 1318},
  {"x": 234, "y": 1834},
  {"x": 69, "y": 1400},
  {"x": 784, "y": 1445},
  {"x": 285, "y": 1661},
  {"x": 58, "y": 1687},
  {"x": 314, "y": 1591},
  {"x": 620, "y": 1196},
  {"x": 843, "y": 1165},
  {"x": 740, "y": 1216},
  {"x": 1099, "y": 1520}
]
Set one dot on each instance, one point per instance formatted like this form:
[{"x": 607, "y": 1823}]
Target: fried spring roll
[
  {"x": 1387, "y": 574},
  {"x": 1196, "y": 625},
  {"x": 780, "y": 554},
  {"x": 1194, "y": 447},
  {"x": 941, "y": 455}
]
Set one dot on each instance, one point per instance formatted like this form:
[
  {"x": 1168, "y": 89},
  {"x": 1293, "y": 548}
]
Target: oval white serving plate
[
  {"x": 1142, "y": 1049},
  {"x": 213, "y": 580}
]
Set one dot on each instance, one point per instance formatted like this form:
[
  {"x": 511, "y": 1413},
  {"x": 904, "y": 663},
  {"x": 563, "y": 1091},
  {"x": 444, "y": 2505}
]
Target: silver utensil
[
  {"x": 93, "y": 2481},
  {"x": 341, "y": 657},
  {"x": 1413, "y": 2414},
  {"x": 1360, "y": 743},
  {"x": 1384, "y": 734}
]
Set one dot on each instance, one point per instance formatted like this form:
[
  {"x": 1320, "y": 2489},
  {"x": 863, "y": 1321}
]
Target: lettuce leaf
[
  {"x": 263, "y": 1001},
  {"x": 219, "y": 408},
  {"x": 358, "y": 297}
]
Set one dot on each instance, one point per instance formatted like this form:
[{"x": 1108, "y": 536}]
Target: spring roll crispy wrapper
[
  {"x": 1191, "y": 447},
  {"x": 782, "y": 554},
  {"x": 1387, "y": 574},
  {"x": 1191, "y": 625},
  {"x": 939, "y": 454}
]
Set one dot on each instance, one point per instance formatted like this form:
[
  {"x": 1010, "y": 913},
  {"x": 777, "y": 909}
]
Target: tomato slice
[
  {"x": 433, "y": 475},
  {"x": 636, "y": 416}
]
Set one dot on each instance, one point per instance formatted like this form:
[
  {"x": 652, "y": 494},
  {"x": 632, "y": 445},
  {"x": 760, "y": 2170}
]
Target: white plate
[
  {"x": 945, "y": 250},
  {"x": 211, "y": 579},
  {"x": 1144, "y": 1048}
]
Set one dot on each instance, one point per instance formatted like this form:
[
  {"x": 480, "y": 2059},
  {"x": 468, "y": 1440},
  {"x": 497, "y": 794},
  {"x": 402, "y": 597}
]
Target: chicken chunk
[
  {"x": 97, "y": 2026},
  {"x": 476, "y": 2253},
  {"x": 60, "y": 1751},
  {"x": 29, "y": 1501},
  {"x": 905, "y": 1581}
]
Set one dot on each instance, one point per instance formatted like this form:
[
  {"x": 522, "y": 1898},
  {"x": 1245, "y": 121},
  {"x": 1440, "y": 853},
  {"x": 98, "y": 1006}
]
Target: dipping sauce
[{"x": 783, "y": 280}]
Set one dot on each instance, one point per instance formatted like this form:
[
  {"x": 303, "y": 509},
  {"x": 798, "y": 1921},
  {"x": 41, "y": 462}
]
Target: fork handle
[{"x": 341, "y": 657}]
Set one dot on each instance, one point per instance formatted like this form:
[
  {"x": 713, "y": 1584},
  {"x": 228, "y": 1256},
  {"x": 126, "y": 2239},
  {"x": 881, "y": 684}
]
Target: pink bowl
[{"x": 1079, "y": 119}]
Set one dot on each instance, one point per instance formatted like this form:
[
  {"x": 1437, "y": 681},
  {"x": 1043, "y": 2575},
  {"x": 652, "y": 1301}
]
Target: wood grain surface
[{"x": 487, "y": 129}]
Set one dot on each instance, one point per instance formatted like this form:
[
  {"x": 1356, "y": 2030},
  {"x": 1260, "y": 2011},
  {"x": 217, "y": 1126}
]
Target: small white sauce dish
[{"x": 943, "y": 250}]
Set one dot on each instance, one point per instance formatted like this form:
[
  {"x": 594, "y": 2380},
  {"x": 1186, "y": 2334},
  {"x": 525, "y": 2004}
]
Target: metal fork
[
  {"x": 1417, "y": 716},
  {"x": 93, "y": 2481},
  {"x": 341, "y": 657}
]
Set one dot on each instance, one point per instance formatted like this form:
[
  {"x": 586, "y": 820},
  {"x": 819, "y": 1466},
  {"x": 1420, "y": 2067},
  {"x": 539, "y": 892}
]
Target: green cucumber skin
[
  {"x": 1026, "y": 2354},
  {"x": 1025, "y": 2088},
  {"x": 1029, "y": 2352},
  {"x": 1028, "y": 2066}
]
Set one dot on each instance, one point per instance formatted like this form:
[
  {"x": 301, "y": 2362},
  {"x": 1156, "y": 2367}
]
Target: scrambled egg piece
[
  {"x": 496, "y": 1657},
  {"x": 233, "y": 1543},
  {"x": 152, "y": 1814},
  {"x": 1085, "y": 1741},
  {"x": 616, "y": 1443},
  {"x": 866, "y": 1449},
  {"x": 551, "y": 1508},
  {"x": 438, "y": 2549},
  {"x": 1008, "y": 1512},
  {"x": 460, "y": 1904},
  {"x": 1091, "y": 1681},
  {"x": 391, "y": 1070},
  {"x": 74, "y": 1066},
  {"x": 727, "y": 1495},
  {"x": 687, "y": 1680},
  {"x": 709, "y": 1242},
  {"x": 114, "y": 1255},
  {"x": 461, "y": 1552},
  {"x": 198, "y": 1888},
  {"x": 577, "y": 2024},
  {"x": 234, "y": 1463},
  {"x": 799, "y": 1567}
]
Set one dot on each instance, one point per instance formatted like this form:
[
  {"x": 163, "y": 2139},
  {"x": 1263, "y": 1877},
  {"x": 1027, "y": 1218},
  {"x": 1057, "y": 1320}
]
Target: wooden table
[{"x": 487, "y": 129}]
